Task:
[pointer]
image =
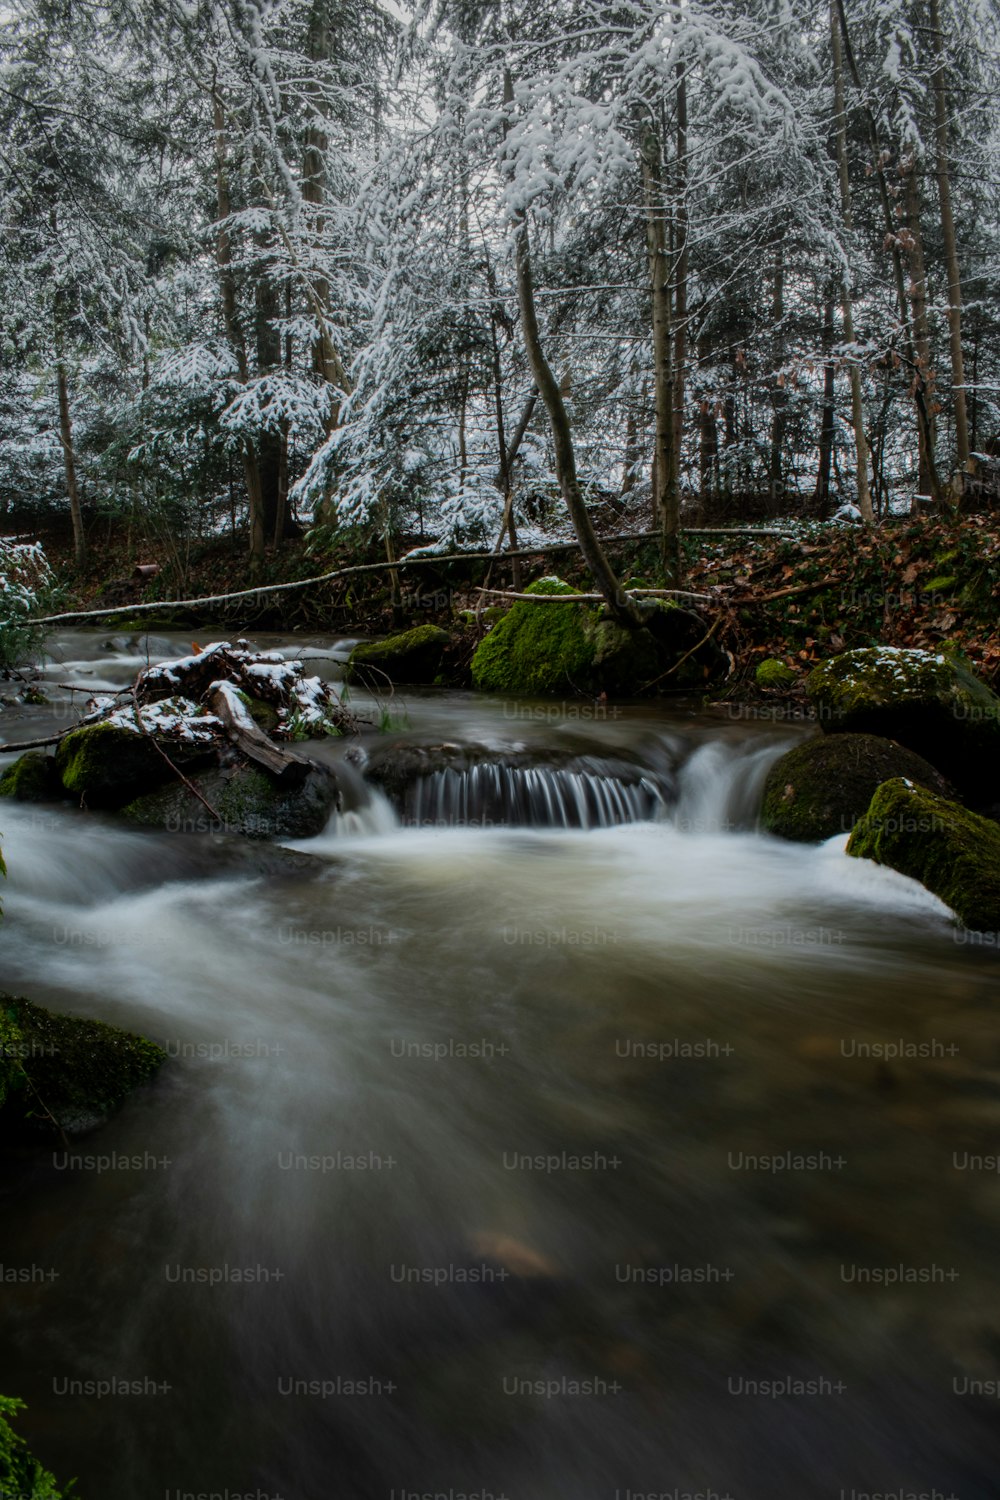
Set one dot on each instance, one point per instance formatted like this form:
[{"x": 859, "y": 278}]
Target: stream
[{"x": 651, "y": 1157}]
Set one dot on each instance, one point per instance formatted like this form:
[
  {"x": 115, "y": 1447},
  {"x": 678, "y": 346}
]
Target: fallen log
[
  {"x": 425, "y": 560},
  {"x": 228, "y": 707}
]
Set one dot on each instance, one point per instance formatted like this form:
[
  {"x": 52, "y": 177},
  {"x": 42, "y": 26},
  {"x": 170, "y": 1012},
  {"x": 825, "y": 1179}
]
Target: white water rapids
[{"x": 557, "y": 1155}]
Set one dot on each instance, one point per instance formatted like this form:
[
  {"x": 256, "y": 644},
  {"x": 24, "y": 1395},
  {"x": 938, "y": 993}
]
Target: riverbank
[{"x": 794, "y": 599}]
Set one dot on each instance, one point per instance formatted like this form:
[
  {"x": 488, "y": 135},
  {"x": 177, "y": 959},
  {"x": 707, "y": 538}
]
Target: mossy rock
[
  {"x": 538, "y": 649},
  {"x": 249, "y": 802},
  {"x": 953, "y": 852},
  {"x": 22, "y": 1476},
  {"x": 65, "y": 1074},
  {"x": 32, "y": 778},
  {"x": 825, "y": 785},
  {"x": 544, "y": 650},
  {"x": 414, "y": 656},
  {"x": 930, "y": 702},
  {"x": 109, "y": 766},
  {"x": 774, "y": 674}
]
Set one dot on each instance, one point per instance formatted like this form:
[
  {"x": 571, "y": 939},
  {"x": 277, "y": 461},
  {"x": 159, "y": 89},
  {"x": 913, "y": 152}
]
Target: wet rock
[
  {"x": 577, "y": 648},
  {"x": 774, "y": 674},
  {"x": 107, "y": 765},
  {"x": 32, "y": 778},
  {"x": 248, "y": 801},
  {"x": 449, "y": 784},
  {"x": 953, "y": 852},
  {"x": 64, "y": 1075},
  {"x": 930, "y": 702},
  {"x": 414, "y": 656},
  {"x": 537, "y": 648},
  {"x": 825, "y": 785}
]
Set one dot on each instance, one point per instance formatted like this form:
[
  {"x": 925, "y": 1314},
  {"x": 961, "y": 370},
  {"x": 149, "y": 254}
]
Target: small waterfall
[
  {"x": 493, "y": 794},
  {"x": 366, "y": 820},
  {"x": 721, "y": 785}
]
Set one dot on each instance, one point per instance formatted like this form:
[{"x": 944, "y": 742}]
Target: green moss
[
  {"x": 68, "y": 1073},
  {"x": 939, "y": 585},
  {"x": 249, "y": 803},
  {"x": 822, "y": 787},
  {"x": 107, "y": 765},
  {"x": 931, "y": 703},
  {"x": 11, "y": 1046},
  {"x": 32, "y": 778},
  {"x": 537, "y": 648},
  {"x": 774, "y": 674},
  {"x": 413, "y": 656},
  {"x": 22, "y": 1477},
  {"x": 953, "y": 852},
  {"x": 264, "y": 715},
  {"x": 554, "y": 648}
]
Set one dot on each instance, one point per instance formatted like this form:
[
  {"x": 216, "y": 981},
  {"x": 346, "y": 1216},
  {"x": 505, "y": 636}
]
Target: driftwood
[
  {"x": 224, "y": 702},
  {"x": 596, "y": 598},
  {"x": 433, "y": 560},
  {"x": 798, "y": 588},
  {"x": 50, "y": 739}
]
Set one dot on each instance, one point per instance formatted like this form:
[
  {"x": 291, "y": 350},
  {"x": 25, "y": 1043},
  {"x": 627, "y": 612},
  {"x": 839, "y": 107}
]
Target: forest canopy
[{"x": 276, "y": 264}]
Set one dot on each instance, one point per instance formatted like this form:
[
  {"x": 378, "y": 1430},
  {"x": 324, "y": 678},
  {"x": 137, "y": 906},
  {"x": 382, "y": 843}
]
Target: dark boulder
[{"x": 822, "y": 787}]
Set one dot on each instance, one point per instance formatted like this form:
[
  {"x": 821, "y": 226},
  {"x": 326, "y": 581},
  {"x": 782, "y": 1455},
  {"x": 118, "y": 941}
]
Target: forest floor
[{"x": 798, "y": 598}]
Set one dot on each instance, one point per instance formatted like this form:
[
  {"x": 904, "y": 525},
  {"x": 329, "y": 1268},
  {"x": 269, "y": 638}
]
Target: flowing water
[{"x": 641, "y": 1155}]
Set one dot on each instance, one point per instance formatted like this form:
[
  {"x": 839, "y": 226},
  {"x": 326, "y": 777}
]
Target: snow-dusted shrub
[{"x": 25, "y": 579}]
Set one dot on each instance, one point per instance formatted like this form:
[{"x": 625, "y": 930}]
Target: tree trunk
[
  {"x": 847, "y": 301},
  {"x": 926, "y": 431},
  {"x": 234, "y": 332},
  {"x": 920, "y": 393},
  {"x": 506, "y": 482},
  {"x": 326, "y": 357},
  {"x": 271, "y": 441},
  {"x": 69, "y": 466},
  {"x": 779, "y": 401},
  {"x": 631, "y": 455},
  {"x": 821, "y": 498},
  {"x": 962, "y": 448},
  {"x": 620, "y": 605},
  {"x": 666, "y": 500},
  {"x": 681, "y": 279}
]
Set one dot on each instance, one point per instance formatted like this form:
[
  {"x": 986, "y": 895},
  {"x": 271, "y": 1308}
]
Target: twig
[
  {"x": 799, "y": 588},
  {"x": 680, "y": 662},
  {"x": 45, "y": 1108},
  {"x": 52, "y": 739},
  {"x": 176, "y": 770},
  {"x": 594, "y": 598}
]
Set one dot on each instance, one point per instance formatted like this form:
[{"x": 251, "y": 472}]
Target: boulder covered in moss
[
  {"x": 248, "y": 801},
  {"x": 537, "y": 648},
  {"x": 773, "y": 673},
  {"x": 107, "y": 764},
  {"x": 33, "y": 777},
  {"x": 414, "y": 656},
  {"x": 545, "y": 649},
  {"x": 65, "y": 1075},
  {"x": 953, "y": 852},
  {"x": 822, "y": 787},
  {"x": 930, "y": 702}
]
